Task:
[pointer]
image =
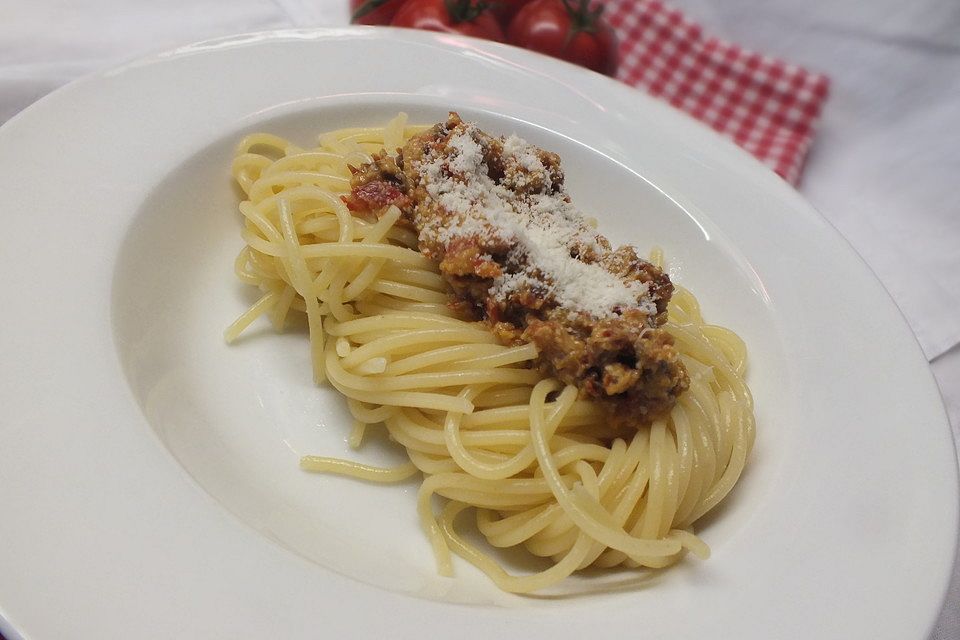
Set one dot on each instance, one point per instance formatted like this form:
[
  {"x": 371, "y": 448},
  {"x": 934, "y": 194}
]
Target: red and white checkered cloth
[{"x": 767, "y": 106}]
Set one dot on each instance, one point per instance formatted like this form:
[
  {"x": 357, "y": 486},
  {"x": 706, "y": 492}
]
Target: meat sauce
[{"x": 494, "y": 214}]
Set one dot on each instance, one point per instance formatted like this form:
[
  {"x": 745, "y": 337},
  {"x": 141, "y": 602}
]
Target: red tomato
[
  {"x": 569, "y": 29},
  {"x": 506, "y": 9},
  {"x": 469, "y": 17},
  {"x": 373, "y": 11}
]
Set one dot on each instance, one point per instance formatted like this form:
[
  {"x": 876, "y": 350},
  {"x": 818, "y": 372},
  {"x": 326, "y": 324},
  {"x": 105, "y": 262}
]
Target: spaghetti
[{"x": 536, "y": 462}]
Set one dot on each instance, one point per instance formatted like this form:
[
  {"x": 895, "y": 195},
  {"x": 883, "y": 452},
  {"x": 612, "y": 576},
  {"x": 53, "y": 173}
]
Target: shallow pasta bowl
[{"x": 148, "y": 472}]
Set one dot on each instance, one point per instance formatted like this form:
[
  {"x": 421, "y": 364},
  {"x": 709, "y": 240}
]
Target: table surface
[{"x": 882, "y": 168}]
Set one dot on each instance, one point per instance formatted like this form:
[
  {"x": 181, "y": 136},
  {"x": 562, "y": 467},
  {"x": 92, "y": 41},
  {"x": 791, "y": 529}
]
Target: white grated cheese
[
  {"x": 469, "y": 156},
  {"x": 541, "y": 228},
  {"x": 524, "y": 153}
]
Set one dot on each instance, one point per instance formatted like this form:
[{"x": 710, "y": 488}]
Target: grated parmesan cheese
[{"x": 542, "y": 227}]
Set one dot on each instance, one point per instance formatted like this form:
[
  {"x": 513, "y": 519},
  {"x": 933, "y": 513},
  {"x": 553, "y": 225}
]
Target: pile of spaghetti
[{"x": 533, "y": 462}]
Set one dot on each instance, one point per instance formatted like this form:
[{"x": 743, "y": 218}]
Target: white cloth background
[{"x": 883, "y": 168}]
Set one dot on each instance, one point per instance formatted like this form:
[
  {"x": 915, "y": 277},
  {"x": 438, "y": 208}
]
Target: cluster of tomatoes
[{"x": 573, "y": 30}]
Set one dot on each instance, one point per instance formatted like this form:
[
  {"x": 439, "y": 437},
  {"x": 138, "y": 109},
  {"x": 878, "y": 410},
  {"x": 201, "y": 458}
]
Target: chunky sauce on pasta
[{"x": 495, "y": 215}]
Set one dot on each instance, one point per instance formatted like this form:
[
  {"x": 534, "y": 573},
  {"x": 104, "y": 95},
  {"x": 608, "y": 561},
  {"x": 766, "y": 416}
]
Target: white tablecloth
[{"x": 883, "y": 168}]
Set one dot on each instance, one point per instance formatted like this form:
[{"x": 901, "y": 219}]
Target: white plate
[{"x": 148, "y": 472}]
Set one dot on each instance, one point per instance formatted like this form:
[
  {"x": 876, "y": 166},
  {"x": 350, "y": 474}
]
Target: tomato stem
[
  {"x": 466, "y": 10},
  {"x": 583, "y": 17},
  {"x": 367, "y": 7}
]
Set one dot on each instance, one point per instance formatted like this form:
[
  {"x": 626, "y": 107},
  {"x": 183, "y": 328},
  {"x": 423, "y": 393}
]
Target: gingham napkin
[{"x": 765, "y": 105}]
